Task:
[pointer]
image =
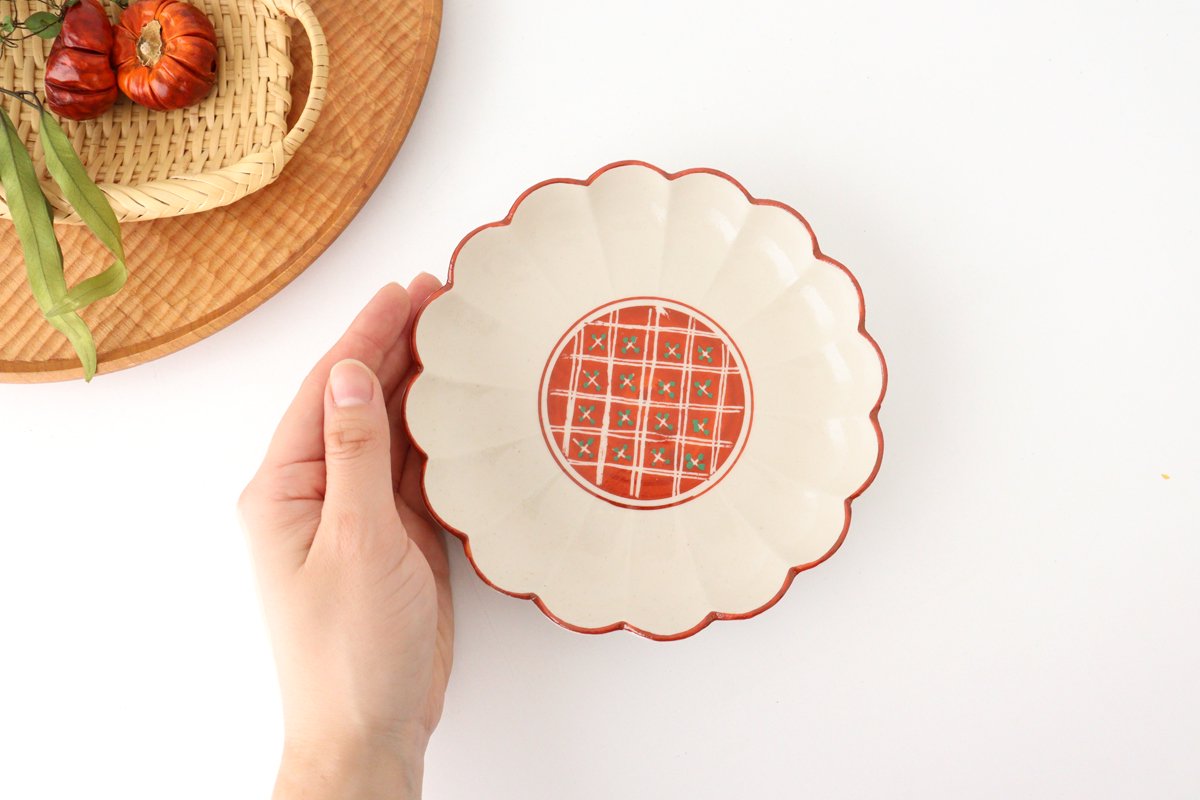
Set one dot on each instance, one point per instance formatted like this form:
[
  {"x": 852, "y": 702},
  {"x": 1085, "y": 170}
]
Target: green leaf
[
  {"x": 80, "y": 336},
  {"x": 93, "y": 208},
  {"x": 44, "y": 24},
  {"x": 34, "y": 224},
  {"x": 6, "y": 25},
  {"x": 31, "y": 217}
]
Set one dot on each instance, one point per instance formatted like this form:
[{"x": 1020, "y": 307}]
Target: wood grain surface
[{"x": 191, "y": 276}]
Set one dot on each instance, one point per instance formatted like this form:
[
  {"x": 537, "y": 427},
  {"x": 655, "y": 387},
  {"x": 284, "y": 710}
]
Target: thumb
[{"x": 357, "y": 440}]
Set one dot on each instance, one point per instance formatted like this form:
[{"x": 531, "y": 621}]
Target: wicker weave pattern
[{"x": 152, "y": 164}]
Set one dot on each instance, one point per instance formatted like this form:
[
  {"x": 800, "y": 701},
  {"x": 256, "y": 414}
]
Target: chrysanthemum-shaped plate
[{"x": 647, "y": 400}]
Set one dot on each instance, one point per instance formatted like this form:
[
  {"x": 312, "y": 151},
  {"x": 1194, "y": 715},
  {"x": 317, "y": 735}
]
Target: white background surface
[{"x": 1014, "y": 612}]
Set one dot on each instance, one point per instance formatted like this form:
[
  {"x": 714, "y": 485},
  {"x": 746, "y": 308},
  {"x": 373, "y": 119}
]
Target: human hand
[{"x": 352, "y": 570}]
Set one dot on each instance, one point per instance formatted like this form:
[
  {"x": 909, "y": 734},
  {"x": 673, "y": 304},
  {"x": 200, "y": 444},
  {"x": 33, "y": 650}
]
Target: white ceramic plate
[{"x": 647, "y": 400}]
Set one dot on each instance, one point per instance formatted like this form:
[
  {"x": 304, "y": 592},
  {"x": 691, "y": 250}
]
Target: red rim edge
[{"x": 712, "y": 616}]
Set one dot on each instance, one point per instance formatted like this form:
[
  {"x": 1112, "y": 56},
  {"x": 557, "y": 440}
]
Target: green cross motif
[
  {"x": 630, "y": 344},
  {"x": 585, "y": 448},
  {"x": 624, "y": 417},
  {"x": 666, "y": 388},
  {"x": 659, "y": 455},
  {"x": 620, "y": 453},
  {"x": 627, "y": 382},
  {"x": 598, "y": 341},
  {"x": 672, "y": 351},
  {"x": 695, "y": 462},
  {"x": 704, "y": 391},
  {"x": 585, "y": 414},
  {"x": 704, "y": 353},
  {"x": 664, "y": 421},
  {"x": 591, "y": 380},
  {"x": 698, "y": 425}
]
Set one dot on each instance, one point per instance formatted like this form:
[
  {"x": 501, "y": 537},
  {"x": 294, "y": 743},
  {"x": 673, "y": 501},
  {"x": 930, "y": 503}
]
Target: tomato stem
[
  {"x": 28, "y": 98},
  {"x": 43, "y": 24},
  {"x": 150, "y": 44}
]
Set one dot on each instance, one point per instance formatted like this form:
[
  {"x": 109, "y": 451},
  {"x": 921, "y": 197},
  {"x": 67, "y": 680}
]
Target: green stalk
[{"x": 34, "y": 223}]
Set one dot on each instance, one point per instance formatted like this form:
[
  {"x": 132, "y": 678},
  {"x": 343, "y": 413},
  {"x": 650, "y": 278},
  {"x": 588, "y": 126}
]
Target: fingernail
[{"x": 351, "y": 384}]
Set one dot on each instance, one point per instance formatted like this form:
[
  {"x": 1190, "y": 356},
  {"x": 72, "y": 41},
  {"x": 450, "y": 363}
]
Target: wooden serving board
[{"x": 191, "y": 276}]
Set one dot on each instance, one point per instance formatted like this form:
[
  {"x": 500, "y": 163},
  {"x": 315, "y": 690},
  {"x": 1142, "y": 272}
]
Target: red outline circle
[
  {"x": 793, "y": 571},
  {"x": 727, "y": 467}
]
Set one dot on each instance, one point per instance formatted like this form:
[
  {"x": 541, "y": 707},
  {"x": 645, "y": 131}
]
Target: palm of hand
[{"x": 356, "y": 588}]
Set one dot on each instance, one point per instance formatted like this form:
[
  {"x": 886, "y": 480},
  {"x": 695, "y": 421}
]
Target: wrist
[{"x": 350, "y": 768}]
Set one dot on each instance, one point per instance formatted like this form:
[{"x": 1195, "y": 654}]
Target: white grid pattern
[
  {"x": 644, "y": 393},
  {"x": 652, "y": 404},
  {"x": 566, "y": 440},
  {"x": 608, "y": 397},
  {"x": 573, "y": 432},
  {"x": 695, "y": 441},
  {"x": 631, "y": 362},
  {"x": 685, "y": 391},
  {"x": 716, "y": 429}
]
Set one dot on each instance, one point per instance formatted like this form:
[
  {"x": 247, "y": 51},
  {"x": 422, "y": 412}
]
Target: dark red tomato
[{"x": 80, "y": 80}]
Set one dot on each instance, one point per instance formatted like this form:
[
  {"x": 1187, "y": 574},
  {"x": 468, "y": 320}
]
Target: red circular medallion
[{"x": 646, "y": 403}]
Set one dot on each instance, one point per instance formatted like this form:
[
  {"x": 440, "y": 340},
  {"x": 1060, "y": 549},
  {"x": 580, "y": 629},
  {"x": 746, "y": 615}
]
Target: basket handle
[{"x": 302, "y": 12}]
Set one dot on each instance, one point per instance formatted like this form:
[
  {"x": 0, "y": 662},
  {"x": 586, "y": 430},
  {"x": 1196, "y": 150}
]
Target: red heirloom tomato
[
  {"x": 166, "y": 54},
  {"x": 80, "y": 82}
]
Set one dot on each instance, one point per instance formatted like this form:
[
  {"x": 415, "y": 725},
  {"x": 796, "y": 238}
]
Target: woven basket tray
[{"x": 154, "y": 164}]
